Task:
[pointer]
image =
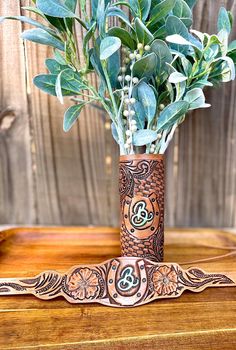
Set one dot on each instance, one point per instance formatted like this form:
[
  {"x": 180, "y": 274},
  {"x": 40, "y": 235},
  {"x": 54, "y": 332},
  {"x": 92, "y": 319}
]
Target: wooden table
[{"x": 195, "y": 321}]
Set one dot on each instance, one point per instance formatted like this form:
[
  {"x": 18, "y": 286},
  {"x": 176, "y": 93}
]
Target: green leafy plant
[{"x": 152, "y": 68}]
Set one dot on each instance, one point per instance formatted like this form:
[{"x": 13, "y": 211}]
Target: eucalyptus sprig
[{"x": 152, "y": 68}]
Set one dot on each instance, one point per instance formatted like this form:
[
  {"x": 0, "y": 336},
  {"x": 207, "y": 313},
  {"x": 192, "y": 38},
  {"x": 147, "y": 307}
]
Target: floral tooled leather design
[
  {"x": 84, "y": 284},
  {"x": 117, "y": 282},
  {"x": 165, "y": 280},
  {"x": 142, "y": 206}
]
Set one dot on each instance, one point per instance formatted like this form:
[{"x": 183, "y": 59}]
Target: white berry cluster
[
  {"x": 128, "y": 81},
  {"x": 129, "y": 133},
  {"x": 129, "y": 112}
]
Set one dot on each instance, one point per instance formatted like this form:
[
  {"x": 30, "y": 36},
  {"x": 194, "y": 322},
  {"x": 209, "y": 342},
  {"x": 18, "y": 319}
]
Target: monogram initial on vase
[{"x": 141, "y": 215}]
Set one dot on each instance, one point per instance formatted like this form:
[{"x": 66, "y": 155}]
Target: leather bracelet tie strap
[{"x": 117, "y": 282}]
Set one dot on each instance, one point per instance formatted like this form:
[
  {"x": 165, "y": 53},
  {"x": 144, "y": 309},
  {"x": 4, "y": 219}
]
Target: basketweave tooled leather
[{"x": 141, "y": 188}]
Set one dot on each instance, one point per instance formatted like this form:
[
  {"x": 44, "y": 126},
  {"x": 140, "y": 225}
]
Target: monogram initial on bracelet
[{"x": 127, "y": 280}]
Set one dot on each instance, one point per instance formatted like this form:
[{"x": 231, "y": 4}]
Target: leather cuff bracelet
[{"x": 117, "y": 282}]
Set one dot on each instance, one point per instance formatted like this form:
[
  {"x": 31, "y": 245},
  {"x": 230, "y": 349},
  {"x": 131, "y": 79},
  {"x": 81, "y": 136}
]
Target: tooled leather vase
[{"x": 141, "y": 187}]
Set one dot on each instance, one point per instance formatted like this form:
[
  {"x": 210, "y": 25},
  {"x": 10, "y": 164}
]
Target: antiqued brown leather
[
  {"x": 141, "y": 187},
  {"x": 117, "y": 282}
]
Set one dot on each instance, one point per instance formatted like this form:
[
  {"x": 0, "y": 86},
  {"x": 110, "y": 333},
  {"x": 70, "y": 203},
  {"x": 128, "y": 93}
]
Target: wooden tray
[{"x": 194, "y": 321}]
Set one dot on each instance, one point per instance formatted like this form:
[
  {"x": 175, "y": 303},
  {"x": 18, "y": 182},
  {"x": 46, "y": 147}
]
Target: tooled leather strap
[{"x": 117, "y": 282}]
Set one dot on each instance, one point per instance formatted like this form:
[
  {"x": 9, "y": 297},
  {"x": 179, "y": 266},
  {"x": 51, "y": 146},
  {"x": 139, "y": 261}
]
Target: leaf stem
[
  {"x": 129, "y": 109},
  {"x": 166, "y": 142},
  {"x": 118, "y": 121},
  {"x": 92, "y": 89},
  {"x": 89, "y": 96}
]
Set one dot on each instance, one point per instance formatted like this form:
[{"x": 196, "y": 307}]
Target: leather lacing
[{"x": 213, "y": 258}]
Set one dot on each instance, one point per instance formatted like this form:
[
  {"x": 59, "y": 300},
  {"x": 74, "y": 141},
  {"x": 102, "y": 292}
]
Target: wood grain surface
[
  {"x": 194, "y": 321},
  {"x": 16, "y": 188},
  {"x": 49, "y": 177}
]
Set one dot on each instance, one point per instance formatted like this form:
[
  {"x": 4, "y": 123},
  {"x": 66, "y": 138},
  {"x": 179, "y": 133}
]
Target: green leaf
[
  {"x": 108, "y": 46},
  {"x": 59, "y": 13},
  {"x": 232, "y": 45},
  {"x": 113, "y": 68},
  {"x": 201, "y": 84},
  {"x": 180, "y": 41},
  {"x": 177, "y": 39},
  {"x": 139, "y": 115},
  {"x": 42, "y": 37},
  {"x": 163, "y": 97},
  {"x": 114, "y": 133},
  {"x": 70, "y": 83},
  {"x": 160, "y": 11},
  {"x": 198, "y": 34},
  {"x": 176, "y": 78},
  {"x": 71, "y": 4},
  {"x": 59, "y": 57},
  {"x": 195, "y": 42},
  {"x": 87, "y": 37},
  {"x": 144, "y": 137},
  {"x": 33, "y": 10},
  {"x": 123, "y": 35},
  {"x": 71, "y": 115},
  {"x": 101, "y": 17},
  {"x": 82, "y": 4},
  {"x": 53, "y": 66},
  {"x": 183, "y": 12},
  {"x": 180, "y": 90},
  {"x": 146, "y": 66},
  {"x": 160, "y": 33},
  {"x": 170, "y": 115},
  {"x": 116, "y": 12},
  {"x": 163, "y": 53},
  {"x": 224, "y": 21},
  {"x": 187, "y": 66},
  {"x": 55, "y": 8},
  {"x": 58, "y": 88},
  {"x": 140, "y": 8},
  {"x": 210, "y": 54},
  {"x": 96, "y": 63},
  {"x": 94, "y": 4},
  {"x": 232, "y": 54},
  {"x": 29, "y": 21},
  {"x": 144, "y": 36},
  {"x": 170, "y": 66},
  {"x": 46, "y": 83},
  {"x": 230, "y": 67},
  {"x": 196, "y": 99},
  {"x": 175, "y": 26},
  {"x": 223, "y": 36},
  {"x": 148, "y": 100},
  {"x": 191, "y": 3},
  {"x": 231, "y": 18},
  {"x": 57, "y": 23}
]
